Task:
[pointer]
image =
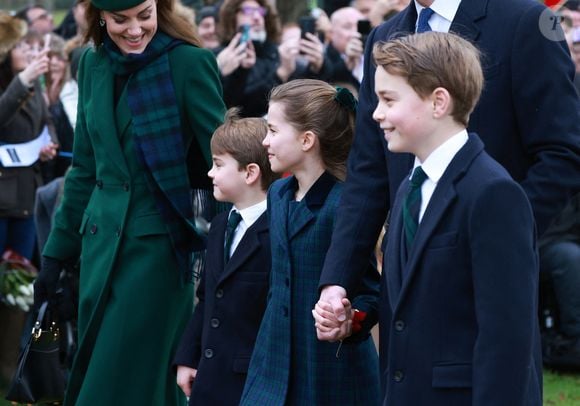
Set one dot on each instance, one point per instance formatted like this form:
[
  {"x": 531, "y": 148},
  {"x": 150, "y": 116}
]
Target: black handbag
[{"x": 39, "y": 376}]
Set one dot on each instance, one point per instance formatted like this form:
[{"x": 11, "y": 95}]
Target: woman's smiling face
[{"x": 132, "y": 29}]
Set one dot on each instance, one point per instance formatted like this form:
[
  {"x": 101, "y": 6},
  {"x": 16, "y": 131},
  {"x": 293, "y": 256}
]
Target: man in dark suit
[
  {"x": 527, "y": 118},
  {"x": 215, "y": 349}
]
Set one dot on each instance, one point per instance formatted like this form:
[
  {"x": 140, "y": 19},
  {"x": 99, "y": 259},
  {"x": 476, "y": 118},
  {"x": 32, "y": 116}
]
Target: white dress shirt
[
  {"x": 436, "y": 164},
  {"x": 249, "y": 217},
  {"x": 445, "y": 11}
]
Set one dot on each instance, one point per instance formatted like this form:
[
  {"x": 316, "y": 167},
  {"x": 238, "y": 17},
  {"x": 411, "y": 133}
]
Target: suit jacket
[
  {"x": 464, "y": 303},
  {"x": 220, "y": 336},
  {"x": 290, "y": 366},
  {"x": 132, "y": 305},
  {"x": 527, "y": 118}
]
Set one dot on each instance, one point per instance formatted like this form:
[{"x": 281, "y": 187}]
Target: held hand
[
  {"x": 313, "y": 51},
  {"x": 185, "y": 378},
  {"x": 328, "y": 328},
  {"x": 333, "y": 294},
  {"x": 46, "y": 282},
  {"x": 48, "y": 152},
  {"x": 37, "y": 66}
]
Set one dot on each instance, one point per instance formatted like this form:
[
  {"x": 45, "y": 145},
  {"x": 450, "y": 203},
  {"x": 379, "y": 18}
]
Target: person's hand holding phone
[
  {"x": 231, "y": 57},
  {"x": 37, "y": 66},
  {"x": 354, "y": 50},
  {"x": 313, "y": 51}
]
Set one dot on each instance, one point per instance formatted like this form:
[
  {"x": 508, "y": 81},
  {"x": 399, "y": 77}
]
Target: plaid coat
[
  {"x": 289, "y": 364},
  {"x": 133, "y": 304}
]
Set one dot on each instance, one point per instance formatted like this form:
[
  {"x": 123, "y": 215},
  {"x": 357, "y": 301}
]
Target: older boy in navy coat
[
  {"x": 460, "y": 261},
  {"x": 214, "y": 353}
]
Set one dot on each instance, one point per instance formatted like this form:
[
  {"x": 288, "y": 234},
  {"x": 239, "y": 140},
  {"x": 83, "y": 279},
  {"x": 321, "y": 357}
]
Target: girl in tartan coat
[{"x": 310, "y": 129}]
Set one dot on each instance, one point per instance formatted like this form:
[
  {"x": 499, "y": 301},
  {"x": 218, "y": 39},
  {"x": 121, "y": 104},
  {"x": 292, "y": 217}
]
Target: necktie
[
  {"x": 423, "y": 23},
  {"x": 233, "y": 221},
  {"x": 412, "y": 205}
]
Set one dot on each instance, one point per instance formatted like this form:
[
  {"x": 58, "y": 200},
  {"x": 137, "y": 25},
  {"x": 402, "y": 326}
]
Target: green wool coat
[{"x": 132, "y": 305}]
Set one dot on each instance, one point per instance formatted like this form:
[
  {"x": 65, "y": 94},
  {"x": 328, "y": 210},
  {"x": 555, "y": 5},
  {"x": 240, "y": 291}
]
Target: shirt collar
[
  {"x": 436, "y": 163},
  {"x": 252, "y": 213},
  {"x": 446, "y": 9}
]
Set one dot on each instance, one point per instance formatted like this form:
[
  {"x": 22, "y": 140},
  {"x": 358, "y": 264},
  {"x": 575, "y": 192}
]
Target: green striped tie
[
  {"x": 233, "y": 221},
  {"x": 412, "y": 206}
]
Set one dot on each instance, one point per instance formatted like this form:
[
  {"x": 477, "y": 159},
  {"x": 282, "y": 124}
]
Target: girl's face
[
  {"x": 132, "y": 30},
  {"x": 20, "y": 56},
  {"x": 283, "y": 141}
]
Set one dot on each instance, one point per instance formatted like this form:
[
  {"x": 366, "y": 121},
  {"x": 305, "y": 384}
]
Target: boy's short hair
[
  {"x": 242, "y": 139},
  {"x": 434, "y": 59}
]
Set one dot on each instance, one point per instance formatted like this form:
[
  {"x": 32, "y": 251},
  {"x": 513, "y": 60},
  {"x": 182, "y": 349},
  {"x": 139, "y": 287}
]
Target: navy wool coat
[
  {"x": 289, "y": 364},
  {"x": 220, "y": 336},
  {"x": 463, "y": 305}
]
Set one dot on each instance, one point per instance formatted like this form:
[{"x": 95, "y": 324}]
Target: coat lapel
[
  {"x": 123, "y": 115},
  {"x": 469, "y": 12},
  {"x": 443, "y": 196},
  {"x": 249, "y": 244},
  {"x": 394, "y": 259},
  {"x": 102, "y": 94}
]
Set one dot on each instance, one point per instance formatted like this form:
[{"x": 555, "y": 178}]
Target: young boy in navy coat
[
  {"x": 461, "y": 264},
  {"x": 214, "y": 353}
]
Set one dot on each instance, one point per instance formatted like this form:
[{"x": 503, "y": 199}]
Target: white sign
[{"x": 24, "y": 154}]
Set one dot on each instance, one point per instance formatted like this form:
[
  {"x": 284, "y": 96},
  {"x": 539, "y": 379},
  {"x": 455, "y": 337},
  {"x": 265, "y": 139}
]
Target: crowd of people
[{"x": 158, "y": 129}]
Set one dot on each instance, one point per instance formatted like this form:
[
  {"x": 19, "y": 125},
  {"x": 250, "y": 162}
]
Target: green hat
[{"x": 115, "y": 5}]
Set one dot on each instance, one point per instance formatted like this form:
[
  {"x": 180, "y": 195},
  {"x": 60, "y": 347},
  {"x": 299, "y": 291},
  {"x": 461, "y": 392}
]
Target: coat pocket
[
  {"x": 444, "y": 240},
  {"x": 8, "y": 190},
  {"x": 452, "y": 376},
  {"x": 149, "y": 224}
]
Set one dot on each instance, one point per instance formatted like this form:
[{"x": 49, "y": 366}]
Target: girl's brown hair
[
  {"x": 168, "y": 22},
  {"x": 313, "y": 105},
  {"x": 227, "y": 20}
]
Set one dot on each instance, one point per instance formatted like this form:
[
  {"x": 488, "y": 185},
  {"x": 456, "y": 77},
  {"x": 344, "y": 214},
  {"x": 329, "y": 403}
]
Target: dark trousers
[{"x": 560, "y": 261}]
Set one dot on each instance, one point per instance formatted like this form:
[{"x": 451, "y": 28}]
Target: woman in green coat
[{"x": 149, "y": 100}]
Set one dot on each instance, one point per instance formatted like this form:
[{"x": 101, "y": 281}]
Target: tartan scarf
[{"x": 159, "y": 141}]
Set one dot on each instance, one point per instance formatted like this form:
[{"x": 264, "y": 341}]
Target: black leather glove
[{"x": 47, "y": 280}]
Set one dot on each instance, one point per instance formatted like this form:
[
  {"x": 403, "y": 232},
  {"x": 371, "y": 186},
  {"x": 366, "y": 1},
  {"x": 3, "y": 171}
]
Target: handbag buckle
[{"x": 37, "y": 331}]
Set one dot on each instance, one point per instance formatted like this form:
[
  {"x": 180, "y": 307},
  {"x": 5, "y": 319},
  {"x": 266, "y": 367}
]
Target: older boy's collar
[
  {"x": 446, "y": 9},
  {"x": 438, "y": 160}
]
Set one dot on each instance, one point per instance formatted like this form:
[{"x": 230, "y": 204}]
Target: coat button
[
  {"x": 93, "y": 229},
  {"x": 398, "y": 376},
  {"x": 399, "y": 325},
  {"x": 215, "y": 323},
  {"x": 219, "y": 293},
  {"x": 100, "y": 184},
  {"x": 208, "y": 353}
]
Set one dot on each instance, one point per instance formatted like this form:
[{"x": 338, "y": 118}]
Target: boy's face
[
  {"x": 228, "y": 180},
  {"x": 405, "y": 118}
]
